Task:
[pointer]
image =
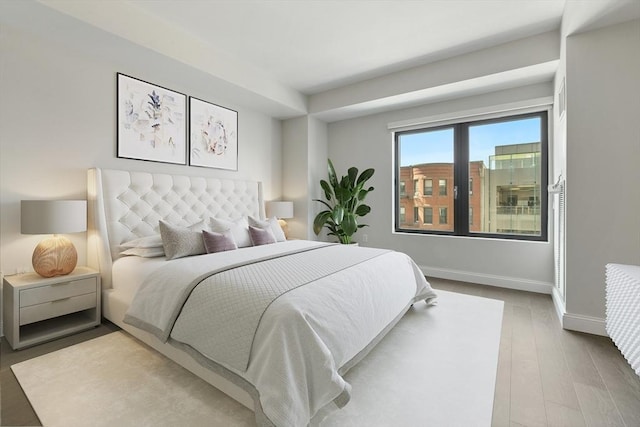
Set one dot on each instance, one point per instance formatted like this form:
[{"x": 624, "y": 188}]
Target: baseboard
[
  {"x": 487, "y": 279},
  {"x": 587, "y": 324},
  {"x": 570, "y": 321}
]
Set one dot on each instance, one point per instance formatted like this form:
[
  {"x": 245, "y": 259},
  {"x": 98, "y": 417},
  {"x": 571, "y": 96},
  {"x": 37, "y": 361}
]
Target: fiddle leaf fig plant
[{"x": 345, "y": 203}]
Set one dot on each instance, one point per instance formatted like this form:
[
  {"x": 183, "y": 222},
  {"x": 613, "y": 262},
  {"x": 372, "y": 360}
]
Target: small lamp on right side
[{"x": 281, "y": 210}]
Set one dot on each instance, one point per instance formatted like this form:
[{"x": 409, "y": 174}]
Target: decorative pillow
[
  {"x": 144, "y": 252},
  {"x": 200, "y": 226},
  {"x": 261, "y": 236},
  {"x": 272, "y": 223},
  {"x": 239, "y": 228},
  {"x": 153, "y": 241},
  {"x": 179, "y": 241},
  {"x": 218, "y": 242}
]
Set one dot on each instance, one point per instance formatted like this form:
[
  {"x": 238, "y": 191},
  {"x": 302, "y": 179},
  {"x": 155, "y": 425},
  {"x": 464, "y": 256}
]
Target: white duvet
[{"x": 308, "y": 334}]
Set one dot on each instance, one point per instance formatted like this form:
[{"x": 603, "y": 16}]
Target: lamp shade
[
  {"x": 280, "y": 209},
  {"x": 55, "y": 255},
  {"x": 53, "y": 216}
]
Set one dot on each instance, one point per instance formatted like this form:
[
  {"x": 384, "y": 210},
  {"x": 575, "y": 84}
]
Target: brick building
[
  {"x": 504, "y": 197},
  {"x": 426, "y": 196}
]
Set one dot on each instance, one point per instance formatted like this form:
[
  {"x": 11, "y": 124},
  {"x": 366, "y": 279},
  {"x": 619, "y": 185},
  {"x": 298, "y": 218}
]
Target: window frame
[
  {"x": 424, "y": 214},
  {"x": 461, "y": 176},
  {"x": 442, "y": 193},
  {"x": 424, "y": 187},
  {"x": 444, "y": 209}
]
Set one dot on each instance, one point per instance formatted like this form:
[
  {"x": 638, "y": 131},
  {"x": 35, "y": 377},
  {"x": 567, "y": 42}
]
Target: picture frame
[
  {"x": 151, "y": 122},
  {"x": 213, "y": 135}
]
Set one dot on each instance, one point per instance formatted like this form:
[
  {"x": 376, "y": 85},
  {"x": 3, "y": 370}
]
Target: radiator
[{"x": 623, "y": 310}]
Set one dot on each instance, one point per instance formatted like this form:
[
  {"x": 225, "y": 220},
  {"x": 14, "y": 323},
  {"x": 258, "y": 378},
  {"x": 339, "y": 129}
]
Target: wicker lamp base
[{"x": 55, "y": 256}]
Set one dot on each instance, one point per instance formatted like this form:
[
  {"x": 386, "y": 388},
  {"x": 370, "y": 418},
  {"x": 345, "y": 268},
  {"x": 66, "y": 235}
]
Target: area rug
[{"x": 436, "y": 367}]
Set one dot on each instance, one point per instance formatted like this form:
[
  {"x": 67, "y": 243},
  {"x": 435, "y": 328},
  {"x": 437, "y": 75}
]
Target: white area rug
[{"x": 437, "y": 367}]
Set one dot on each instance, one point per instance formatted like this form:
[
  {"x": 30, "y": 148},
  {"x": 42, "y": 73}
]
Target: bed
[{"x": 274, "y": 326}]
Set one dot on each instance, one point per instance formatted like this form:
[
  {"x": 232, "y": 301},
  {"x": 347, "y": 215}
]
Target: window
[
  {"x": 500, "y": 165},
  {"x": 416, "y": 213},
  {"x": 403, "y": 216},
  {"x": 415, "y": 187},
  {"x": 428, "y": 215},
  {"x": 443, "y": 215},
  {"x": 428, "y": 187},
  {"x": 442, "y": 185},
  {"x": 403, "y": 189}
]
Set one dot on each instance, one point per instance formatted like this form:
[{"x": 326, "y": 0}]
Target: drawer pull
[{"x": 60, "y": 300}]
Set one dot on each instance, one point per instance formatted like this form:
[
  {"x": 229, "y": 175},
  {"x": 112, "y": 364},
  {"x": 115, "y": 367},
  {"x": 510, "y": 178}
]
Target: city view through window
[{"x": 503, "y": 174}]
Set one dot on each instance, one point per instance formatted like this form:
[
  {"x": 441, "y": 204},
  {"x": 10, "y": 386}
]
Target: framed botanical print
[
  {"x": 213, "y": 140},
  {"x": 152, "y": 122}
]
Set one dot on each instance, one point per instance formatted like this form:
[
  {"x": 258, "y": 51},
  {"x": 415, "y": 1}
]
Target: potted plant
[{"x": 344, "y": 203}]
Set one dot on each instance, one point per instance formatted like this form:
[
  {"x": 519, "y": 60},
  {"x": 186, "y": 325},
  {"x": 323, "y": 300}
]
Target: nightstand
[{"x": 38, "y": 309}]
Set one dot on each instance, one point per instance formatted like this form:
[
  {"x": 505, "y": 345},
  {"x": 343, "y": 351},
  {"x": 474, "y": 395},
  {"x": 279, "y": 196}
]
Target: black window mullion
[
  {"x": 461, "y": 180},
  {"x": 461, "y": 176},
  {"x": 396, "y": 183}
]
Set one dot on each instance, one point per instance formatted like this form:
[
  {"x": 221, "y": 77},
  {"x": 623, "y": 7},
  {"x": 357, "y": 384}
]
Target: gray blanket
[
  {"x": 221, "y": 315},
  {"x": 227, "y": 307}
]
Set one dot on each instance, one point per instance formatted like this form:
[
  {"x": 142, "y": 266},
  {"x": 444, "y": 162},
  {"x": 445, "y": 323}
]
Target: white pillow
[
  {"x": 153, "y": 241},
  {"x": 272, "y": 223},
  {"x": 144, "y": 252},
  {"x": 200, "y": 225},
  {"x": 239, "y": 228}
]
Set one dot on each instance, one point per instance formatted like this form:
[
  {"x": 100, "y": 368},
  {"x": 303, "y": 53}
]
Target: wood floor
[{"x": 546, "y": 376}]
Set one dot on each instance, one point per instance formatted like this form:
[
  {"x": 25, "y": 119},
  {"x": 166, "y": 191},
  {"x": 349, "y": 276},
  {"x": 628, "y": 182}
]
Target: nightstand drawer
[
  {"x": 60, "y": 307},
  {"x": 57, "y": 291}
]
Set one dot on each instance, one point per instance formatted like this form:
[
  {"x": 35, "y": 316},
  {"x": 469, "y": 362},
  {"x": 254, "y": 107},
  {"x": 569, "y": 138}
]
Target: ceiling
[
  {"x": 313, "y": 46},
  {"x": 332, "y": 59}
]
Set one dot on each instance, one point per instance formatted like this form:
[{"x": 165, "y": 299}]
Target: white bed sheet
[
  {"x": 130, "y": 271},
  {"x": 335, "y": 344}
]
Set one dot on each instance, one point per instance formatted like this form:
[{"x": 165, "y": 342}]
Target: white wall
[
  {"x": 318, "y": 154},
  {"x": 58, "y": 118},
  {"x": 295, "y": 181},
  {"x": 603, "y": 161},
  {"x": 304, "y": 164},
  {"x": 366, "y": 142}
]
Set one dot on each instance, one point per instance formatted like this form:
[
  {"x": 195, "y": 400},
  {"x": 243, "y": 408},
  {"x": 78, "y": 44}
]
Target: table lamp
[
  {"x": 56, "y": 255},
  {"x": 281, "y": 210}
]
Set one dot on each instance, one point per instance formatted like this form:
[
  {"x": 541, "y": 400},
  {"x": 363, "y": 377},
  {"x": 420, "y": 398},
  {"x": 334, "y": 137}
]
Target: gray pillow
[
  {"x": 218, "y": 242},
  {"x": 261, "y": 236},
  {"x": 179, "y": 241}
]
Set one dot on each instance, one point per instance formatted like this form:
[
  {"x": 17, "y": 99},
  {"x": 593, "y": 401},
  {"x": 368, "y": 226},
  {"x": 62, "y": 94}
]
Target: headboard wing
[{"x": 125, "y": 205}]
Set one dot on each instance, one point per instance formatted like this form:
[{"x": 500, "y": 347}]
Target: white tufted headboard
[{"x": 125, "y": 205}]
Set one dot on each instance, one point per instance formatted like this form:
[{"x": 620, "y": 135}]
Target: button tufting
[{"x": 136, "y": 201}]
